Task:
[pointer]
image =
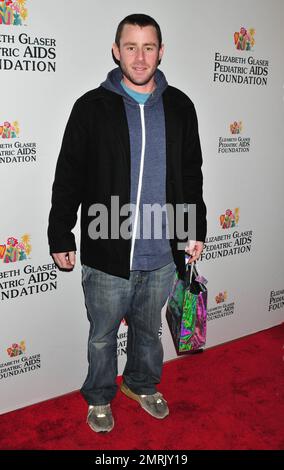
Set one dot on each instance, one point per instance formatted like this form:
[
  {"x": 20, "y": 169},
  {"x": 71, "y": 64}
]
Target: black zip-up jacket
[{"x": 94, "y": 164}]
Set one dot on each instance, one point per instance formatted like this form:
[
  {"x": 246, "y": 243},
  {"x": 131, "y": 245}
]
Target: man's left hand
[{"x": 194, "y": 248}]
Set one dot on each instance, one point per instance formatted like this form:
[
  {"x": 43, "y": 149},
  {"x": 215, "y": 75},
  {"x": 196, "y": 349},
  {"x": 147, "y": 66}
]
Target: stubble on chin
[{"x": 135, "y": 80}]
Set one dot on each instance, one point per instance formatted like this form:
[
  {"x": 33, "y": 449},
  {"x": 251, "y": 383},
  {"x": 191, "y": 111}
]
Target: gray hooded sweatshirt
[{"x": 150, "y": 247}]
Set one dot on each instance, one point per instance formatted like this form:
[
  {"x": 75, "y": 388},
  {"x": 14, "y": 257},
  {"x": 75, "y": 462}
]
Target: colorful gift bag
[{"x": 187, "y": 311}]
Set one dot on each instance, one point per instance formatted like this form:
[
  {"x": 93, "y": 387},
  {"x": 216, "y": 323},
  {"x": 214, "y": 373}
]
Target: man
[{"x": 134, "y": 138}]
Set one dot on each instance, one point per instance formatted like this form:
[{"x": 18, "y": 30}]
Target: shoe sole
[
  {"x": 100, "y": 430},
  {"x": 135, "y": 397},
  {"x": 103, "y": 431}
]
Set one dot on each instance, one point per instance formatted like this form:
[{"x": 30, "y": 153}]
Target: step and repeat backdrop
[{"x": 228, "y": 58}]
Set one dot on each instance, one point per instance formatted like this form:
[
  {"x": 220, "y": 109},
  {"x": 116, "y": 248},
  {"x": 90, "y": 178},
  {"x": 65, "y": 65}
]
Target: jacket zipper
[{"x": 142, "y": 117}]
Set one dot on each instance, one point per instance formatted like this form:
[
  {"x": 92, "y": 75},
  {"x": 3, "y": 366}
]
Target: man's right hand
[{"x": 65, "y": 260}]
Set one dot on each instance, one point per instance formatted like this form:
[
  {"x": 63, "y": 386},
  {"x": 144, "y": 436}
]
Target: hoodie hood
[{"x": 114, "y": 77}]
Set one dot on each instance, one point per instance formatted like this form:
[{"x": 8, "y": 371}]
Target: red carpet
[{"x": 229, "y": 397}]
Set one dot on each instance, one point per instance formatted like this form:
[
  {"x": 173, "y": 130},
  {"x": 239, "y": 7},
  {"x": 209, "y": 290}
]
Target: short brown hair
[{"x": 141, "y": 20}]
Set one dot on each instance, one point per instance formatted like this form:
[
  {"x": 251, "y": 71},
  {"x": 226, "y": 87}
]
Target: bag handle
[
  {"x": 190, "y": 266},
  {"x": 193, "y": 268}
]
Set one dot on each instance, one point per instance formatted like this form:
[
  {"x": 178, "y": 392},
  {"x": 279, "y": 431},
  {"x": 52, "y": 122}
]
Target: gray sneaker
[
  {"x": 100, "y": 418},
  {"x": 154, "y": 404}
]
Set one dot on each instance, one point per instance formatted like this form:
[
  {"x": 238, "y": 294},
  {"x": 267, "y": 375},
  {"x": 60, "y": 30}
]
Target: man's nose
[{"x": 140, "y": 54}]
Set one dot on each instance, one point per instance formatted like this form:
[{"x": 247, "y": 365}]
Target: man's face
[{"x": 138, "y": 53}]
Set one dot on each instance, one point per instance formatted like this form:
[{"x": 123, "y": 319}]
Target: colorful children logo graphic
[
  {"x": 236, "y": 127},
  {"x": 17, "y": 349},
  {"x": 13, "y": 12},
  {"x": 244, "y": 40},
  {"x": 9, "y": 130},
  {"x": 221, "y": 297},
  {"x": 230, "y": 218},
  {"x": 14, "y": 250}
]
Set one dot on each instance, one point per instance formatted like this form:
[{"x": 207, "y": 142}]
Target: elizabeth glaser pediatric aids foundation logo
[
  {"x": 242, "y": 68},
  {"x": 9, "y": 130},
  {"x": 15, "y": 250},
  {"x": 231, "y": 241},
  {"x": 20, "y": 362},
  {"x": 236, "y": 143},
  {"x": 13, "y": 13},
  {"x": 230, "y": 218},
  {"x": 221, "y": 297},
  {"x": 17, "y": 349},
  {"x": 12, "y": 148},
  {"x": 236, "y": 127},
  {"x": 244, "y": 40},
  {"x": 223, "y": 308}
]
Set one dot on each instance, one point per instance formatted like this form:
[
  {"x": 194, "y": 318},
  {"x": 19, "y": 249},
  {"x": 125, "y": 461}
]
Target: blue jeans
[{"x": 139, "y": 300}]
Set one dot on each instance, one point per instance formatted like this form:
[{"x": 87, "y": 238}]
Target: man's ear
[
  {"x": 115, "y": 51},
  {"x": 161, "y": 51}
]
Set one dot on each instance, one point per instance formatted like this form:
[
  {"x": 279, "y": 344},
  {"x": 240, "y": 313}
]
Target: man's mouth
[{"x": 139, "y": 69}]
